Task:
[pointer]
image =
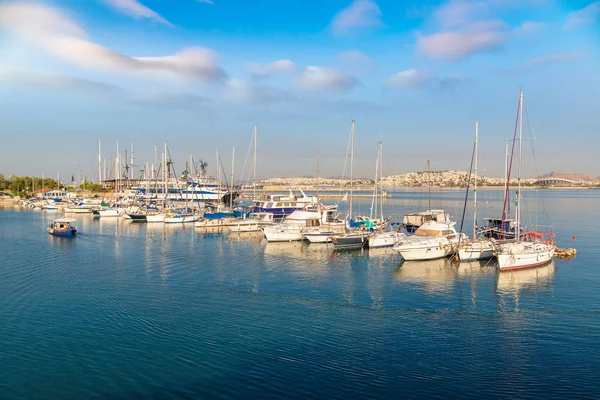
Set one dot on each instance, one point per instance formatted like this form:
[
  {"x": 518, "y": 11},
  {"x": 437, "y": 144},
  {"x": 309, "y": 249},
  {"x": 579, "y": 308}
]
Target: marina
[
  {"x": 214, "y": 302},
  {"x": 352, "y": 199}
]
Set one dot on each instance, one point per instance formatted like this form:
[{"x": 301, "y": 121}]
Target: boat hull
[
  {"x": 350, "y": 241},
  {"x": 319, "y": 237},
  {"x": 510, "y": 259},
  {"x": 181, "y": 219},
  {"x": 155, "y": 218},
  {"x": 387, "y": 239},
  {"x": 67, "y": 233},
  {"x": 476, "y": 251},
  {"x": 282, "y": 235},
  {"x": 112, "y": 213}
]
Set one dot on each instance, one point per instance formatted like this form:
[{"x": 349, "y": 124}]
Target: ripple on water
[{"x": 137, "y": 311}]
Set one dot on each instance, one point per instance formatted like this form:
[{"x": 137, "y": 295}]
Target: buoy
[{"x": 574, "y": 237}]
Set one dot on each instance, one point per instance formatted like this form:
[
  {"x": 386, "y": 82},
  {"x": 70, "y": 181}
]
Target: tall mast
[
  {"x": 475, "y": 189},
  {"x": 254, "y": 178},
  {"x": 155, "y": 162},
  {"x": 131, "y": 163},
  {"x": 117, "y": 169},
  {"x": 99, "y": 161},
  {"x": 317, "y": 174},
  {"x": 375, "y": 187},
  {"x": 231, "y": 192},
  {"x": 218, "y": 170},
  {"x": 518, "y": 229},
  {"x": 428, "y": 185},
  {"x": 381, "y": 178},
  {"x": 351, "y": 167},
  {"x": 165, "y": 174}
]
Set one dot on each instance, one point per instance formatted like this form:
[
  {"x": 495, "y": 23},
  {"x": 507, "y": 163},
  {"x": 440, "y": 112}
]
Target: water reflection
[
  {"x": 434, "y": 275},
  {"x": 299, "y": 250},
  {"x": 531, "y": 278},
  {"x": 252, "y": 237},
  {"x": 510, "y": 285}
]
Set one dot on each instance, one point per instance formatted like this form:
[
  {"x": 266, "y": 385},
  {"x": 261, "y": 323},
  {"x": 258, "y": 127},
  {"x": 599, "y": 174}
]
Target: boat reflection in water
[
  {"x": 299, "y": 250},
  {"x": 477, "y": 269},
  {"x": 531, "y": 278},
  {"x": 250, "y": 236},
  {"x": 435, "y": 275},
  {"x": 510, "y": 284}
]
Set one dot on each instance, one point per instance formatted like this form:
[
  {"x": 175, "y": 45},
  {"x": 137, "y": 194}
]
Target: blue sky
[{"x": 200, "y": 74}]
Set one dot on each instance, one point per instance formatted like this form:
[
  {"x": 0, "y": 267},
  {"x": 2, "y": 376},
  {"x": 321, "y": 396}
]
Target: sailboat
[
  {"x": 412, "y": 222},
  {"x": 482, "y": 248},
  {"x": 357, "y": 237},
  {"x": 434, "y": 238},
  {"x": 380, "y": 238},
  {"x": 530, "y": 250}
]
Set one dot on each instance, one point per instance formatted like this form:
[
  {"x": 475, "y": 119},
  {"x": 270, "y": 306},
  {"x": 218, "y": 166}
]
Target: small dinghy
[{"x": 62, "y": 227}]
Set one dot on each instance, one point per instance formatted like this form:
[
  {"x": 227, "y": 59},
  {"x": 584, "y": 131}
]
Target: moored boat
[{"x": 432, "y": 240}]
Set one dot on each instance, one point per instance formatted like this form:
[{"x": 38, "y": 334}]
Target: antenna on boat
[
  {"x": 518, "y": 227},
  {"x": 475, "y": 188},
  {"x": 254, "y": 178},
  {"x": 231, "y": 192},
  {"x": 317, "y": 174},
  {"x": 428, "y": 185},
  {"x": 99, "y": 161},
  {"x": 351, "y": 168}
]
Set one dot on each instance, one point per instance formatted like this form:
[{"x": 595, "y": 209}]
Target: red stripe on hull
[{"x": 526, "y": 266}]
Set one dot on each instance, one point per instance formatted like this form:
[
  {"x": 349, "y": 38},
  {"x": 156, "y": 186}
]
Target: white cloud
[
  {"x": 324, "y": 79},
  {"x": 358, "y": 15},
  {"x": 585, "y": 16},
  {"x": 354, "y": 62},
  {"x": 51, "y": 30},
  {"x": 239, "y": 91},
  {"x": 205, "y": 1},
  {"x": 135, "y": 9},
  {"x": 455, "y": 45},
  {"x": 549, "y": 59},
  {"x": 466, "y": 28},
  {"x": 529, "y": 28},
  {"x": 260, "y": 71},
  {"x": 408, "y": 78},
  {"x": 456, "y": 13},
  {"x": 412, "y": 78}
]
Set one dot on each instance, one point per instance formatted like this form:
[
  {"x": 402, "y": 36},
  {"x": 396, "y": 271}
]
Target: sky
[{"x": 199, "y": 74}]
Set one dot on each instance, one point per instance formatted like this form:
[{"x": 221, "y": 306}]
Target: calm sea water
[{"x": 129, "y": 310}]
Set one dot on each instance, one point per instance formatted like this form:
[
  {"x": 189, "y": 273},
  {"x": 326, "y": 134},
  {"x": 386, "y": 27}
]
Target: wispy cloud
[
  {"x": 262, "y": 71},
  {"x": 474, "y": 38},
  {"x": 409, "y": 78},
  {"x": 360, "y": 14},
  {"x": 413, "y": 78},
  {"x": 324, "y": 79},
  {"x": 240, "y": 91},
  {"x": 466, "y": 28},
  {"x": 53, "y": 31},
  {"x": 549, "y": 59},
  {"x": 37, "y": 80},
  {"x": 206, "y": 1},
  {"x": 135, "y": 9},
  {"x": 585, "y": 16},
  {"x": 354, "y": 62},
  {"x": 529, "y": 28}
]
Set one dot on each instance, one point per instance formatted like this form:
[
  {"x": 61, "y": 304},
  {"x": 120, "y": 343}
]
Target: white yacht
[
  {"x": 254, "y": 223},
  {"x": 294, "y": 226},
  {"x": 433, "y": 239},
  {"x": 385, "y": 239}
]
